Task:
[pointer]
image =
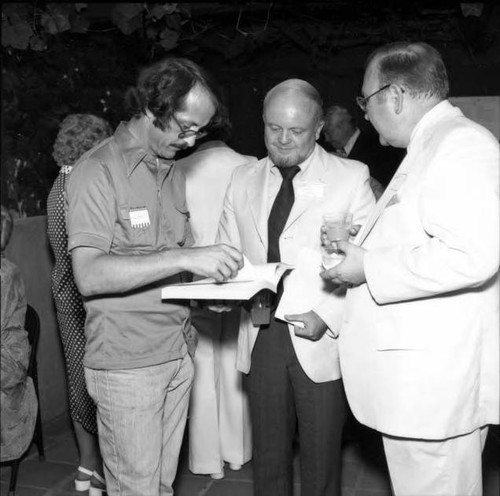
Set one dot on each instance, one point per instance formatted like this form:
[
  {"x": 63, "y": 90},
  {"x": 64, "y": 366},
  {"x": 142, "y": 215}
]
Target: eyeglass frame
[
  {"x": 188, "y": 133},
  {"x": 363, "y": 101}
]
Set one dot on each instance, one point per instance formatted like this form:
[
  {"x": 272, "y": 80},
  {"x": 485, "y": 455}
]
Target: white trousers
[
  {"x": 219, "y": 418},
  {"x": 449, "y": 467}
]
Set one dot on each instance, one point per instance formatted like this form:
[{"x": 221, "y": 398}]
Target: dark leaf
[
  {"x": 152, "y": 32},
  {"x": 127, "y": 16},
  {"x": 79, "y": 23},
  {"x": 80, "y": 6},
  {"x": 124, "y": 11},
  {"x": 55, "y": 20},
  {"x": 38, "y": 43},
  {"x": 169, "y": 8},
  {"x": 17, "y": 36},
  {"x": 157, "y": 11},
  {"x": 168, "y": 39},
  {"x": 174, "y": 22},
  {"x": 16, "y": 10}
]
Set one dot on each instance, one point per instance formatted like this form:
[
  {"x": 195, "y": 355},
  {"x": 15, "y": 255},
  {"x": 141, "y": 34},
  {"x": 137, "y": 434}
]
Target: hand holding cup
[{"x": 336, "y": 227}]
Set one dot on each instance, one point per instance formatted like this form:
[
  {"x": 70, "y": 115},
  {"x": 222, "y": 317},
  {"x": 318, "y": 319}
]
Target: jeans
[{"x": 141, "y": 416}]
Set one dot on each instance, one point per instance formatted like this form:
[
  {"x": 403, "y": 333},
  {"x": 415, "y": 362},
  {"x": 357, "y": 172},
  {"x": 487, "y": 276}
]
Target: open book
[{"x": 249, "y": 281}]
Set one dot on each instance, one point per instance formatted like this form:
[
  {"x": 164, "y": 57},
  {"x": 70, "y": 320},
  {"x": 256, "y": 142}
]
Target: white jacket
[
  {"x": 325, "y": 182},
  {"x": 419, "y": 345}
]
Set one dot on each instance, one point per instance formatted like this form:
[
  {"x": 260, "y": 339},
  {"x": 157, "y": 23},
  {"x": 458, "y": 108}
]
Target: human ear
[
  {"x": 398, "y": 98},
  {"x": 319, "y": 128}
]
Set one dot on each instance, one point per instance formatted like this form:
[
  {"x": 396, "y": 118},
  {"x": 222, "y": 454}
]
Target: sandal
[
  {"x": 83, "y": 484},
  {"x": 97, "y": 491}
]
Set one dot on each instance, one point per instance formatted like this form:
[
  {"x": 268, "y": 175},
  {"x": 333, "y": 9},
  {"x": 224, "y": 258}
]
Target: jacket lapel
[
  {"x": 311, "y": 177},
  {"x": 387, "y": 197}
]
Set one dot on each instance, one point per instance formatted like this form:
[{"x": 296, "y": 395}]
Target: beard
[{"x": 286, "y": 160}]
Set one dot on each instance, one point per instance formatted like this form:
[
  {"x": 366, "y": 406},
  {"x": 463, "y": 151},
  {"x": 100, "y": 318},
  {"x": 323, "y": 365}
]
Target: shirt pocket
[{"x": 130, "y": 236}]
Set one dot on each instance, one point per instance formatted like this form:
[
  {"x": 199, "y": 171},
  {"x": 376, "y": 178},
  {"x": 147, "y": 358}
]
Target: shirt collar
[{"x": 434, "y": 115}]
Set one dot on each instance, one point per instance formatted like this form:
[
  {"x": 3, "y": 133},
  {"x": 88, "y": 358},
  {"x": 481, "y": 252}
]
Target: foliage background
[{"x": 61, "y": 58}]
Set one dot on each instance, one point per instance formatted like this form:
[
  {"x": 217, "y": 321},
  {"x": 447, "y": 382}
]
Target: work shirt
[{"x": 122, "y": 201}]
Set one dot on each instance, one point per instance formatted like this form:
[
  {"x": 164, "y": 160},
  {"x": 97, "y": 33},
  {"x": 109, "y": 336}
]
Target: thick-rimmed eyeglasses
[
  {"x": 188, "y": 133},
  {"x": 363, "y": 101}
]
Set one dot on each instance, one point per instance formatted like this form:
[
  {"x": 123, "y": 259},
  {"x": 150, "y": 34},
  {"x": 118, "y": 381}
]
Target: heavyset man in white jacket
[{"x": 419, "y": 343}]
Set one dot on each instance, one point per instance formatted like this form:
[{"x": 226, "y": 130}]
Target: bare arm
[{"x": 97, "y": 272}]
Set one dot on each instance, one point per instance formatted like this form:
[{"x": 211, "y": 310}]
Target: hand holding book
[{"x": 249, "y": 280}]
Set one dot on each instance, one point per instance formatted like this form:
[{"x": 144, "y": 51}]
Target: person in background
[
  {"x": 347, "y": 140},
  {"x": 419, "y": 342},
  {"x": 18, "y": 405},
  {"x": 219, "y": 417},
  {"x": 77, "y": 134},
  {"x": 272, "y": 212},
  {"x": 129, "y": 235}
]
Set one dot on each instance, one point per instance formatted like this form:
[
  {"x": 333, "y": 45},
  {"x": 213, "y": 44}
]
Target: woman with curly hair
[{"x": 78, "y": 133}]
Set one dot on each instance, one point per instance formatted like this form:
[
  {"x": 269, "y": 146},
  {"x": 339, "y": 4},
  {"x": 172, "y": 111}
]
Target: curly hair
[
  {"x": 162, "y": 89},
  {"x": 77, "y": 134}
]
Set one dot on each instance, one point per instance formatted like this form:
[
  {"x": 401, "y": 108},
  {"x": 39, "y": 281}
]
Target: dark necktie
[{"x": 280, "y": 212}]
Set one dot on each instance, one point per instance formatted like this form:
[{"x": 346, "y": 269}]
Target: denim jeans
[{"x": 141, "y": 416}]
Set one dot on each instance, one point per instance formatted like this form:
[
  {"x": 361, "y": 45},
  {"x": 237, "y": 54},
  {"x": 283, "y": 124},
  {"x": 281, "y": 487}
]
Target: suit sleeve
[
  {"x": 331, "y": 308},
  {"x": 459, "y": 213}
]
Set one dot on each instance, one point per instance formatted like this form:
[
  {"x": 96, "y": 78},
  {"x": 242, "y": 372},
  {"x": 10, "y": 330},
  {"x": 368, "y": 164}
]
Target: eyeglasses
[
  {"x": 363, "y": 101},
  {"x": 188, "y": 133}
]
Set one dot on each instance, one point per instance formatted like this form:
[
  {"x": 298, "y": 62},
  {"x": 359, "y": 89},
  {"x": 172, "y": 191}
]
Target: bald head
[
  {"x": 340, "y": 125},
  {"x": 293, "y": 122},
  {"x": 297, "y": 88}
]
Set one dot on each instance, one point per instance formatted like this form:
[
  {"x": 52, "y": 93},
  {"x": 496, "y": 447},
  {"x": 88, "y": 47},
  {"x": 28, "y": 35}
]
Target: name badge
[
  {"x": 309, "y": 190},
  {"x": 139, "y": 217}
]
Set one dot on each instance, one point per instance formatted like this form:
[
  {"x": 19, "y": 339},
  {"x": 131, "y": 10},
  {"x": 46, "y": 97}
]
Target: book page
[
  {"x": 249, "y": 272},
  {"x": 249, "y": 280}
]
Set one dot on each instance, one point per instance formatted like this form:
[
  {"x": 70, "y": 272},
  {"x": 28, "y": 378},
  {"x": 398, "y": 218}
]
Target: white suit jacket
[
  {"x": 325, "y": 182},
  {"x": 419, "y": 345}
]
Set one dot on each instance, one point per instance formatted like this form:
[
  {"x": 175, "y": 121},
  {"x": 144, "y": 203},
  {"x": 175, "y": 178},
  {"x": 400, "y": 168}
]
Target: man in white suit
[
  {"x": 293, "y": 371},
  {"x": 419, "y": 344}
]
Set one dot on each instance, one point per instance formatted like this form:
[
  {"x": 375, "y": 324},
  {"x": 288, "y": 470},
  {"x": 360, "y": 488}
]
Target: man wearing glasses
[
  {"x": 419, "y": 345},
  {"x": 129, "y": 235}
]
